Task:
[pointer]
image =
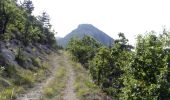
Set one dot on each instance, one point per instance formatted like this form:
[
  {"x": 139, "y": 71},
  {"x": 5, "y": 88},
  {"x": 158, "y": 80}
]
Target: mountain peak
[
  {"x": 87, "y": 29},
  {"x": 85, "y": 25}
]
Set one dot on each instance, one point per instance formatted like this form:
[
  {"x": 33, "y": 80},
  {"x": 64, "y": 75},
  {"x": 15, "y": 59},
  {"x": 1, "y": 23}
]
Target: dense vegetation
[
  {"x": 17, "y": 22},
  {"x": 25, "y": 42},
  {"x": 124, "y": 72},
  {"x": 84, "y": 49}
]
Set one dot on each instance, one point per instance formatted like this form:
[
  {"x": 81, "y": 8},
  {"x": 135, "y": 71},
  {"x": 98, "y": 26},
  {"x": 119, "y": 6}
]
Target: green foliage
[
  {"x": 99, "y": 65},
  {"x": 84, "y": 87},
  {"x": 83, "y": 50},
  {"x": 7, "y": 94},
  {"x": 28, "y": 5},
  {"x": 107, "y": 67},
  {"x": 20, "y": 58},
  {"x": 36, "y": 62},
  {"x": 18, "y": 18},
  {"x": 16, "y": 80},
  {"x": 146, "y": 77},
  {"x": 124, "y": 74}
]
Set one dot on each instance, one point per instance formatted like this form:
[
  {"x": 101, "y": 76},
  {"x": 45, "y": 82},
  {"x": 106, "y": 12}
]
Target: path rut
[{"x": 69, "y": 93}]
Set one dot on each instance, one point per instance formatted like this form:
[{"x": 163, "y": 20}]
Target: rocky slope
[{"x": 9, "y": 51}]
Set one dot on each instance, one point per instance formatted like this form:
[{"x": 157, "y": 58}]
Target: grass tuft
[{"x": 84, "y": 86}]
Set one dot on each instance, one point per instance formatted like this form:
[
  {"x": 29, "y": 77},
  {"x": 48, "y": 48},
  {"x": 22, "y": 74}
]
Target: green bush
[
  {"x": 20, "y": 58},
  {"x": 146, "y": 77},
  {"x": 6, "y": 36},
  {"x": 83, "y": 50},
  {"x": 36, "y": 62},
  {"x": 10, "y": 71}
]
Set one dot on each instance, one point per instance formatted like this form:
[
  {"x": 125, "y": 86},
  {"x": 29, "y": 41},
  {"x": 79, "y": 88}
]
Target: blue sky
[{"x": 111, "y": 16}]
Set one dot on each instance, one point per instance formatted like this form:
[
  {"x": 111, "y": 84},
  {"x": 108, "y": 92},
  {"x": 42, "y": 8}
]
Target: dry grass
[
  {"x": 84, "y": 87},
  {"x": 54, "y": 89},
  {"x": 19, "y": 79}
]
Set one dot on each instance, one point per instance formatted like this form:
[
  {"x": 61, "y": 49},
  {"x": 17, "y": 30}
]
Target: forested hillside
[
  {"x": 25, "y": 44},
  {"x": 125, "y": 72},
  {"x": 17, "y": 22}
]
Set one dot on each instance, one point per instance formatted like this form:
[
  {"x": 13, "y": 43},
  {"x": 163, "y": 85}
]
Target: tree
[
  {"x": 9, "y": 12},
  {"x": 4, "y": 18},
  {"x": 83, "y": 50},
  {"x": 45, "y": 26},
  {"x": 108, "y": 65},
  {"x": 28, "y": 6},
  {"x": 17, "y": 21},
  {"x": 146, "y": 77},
  {"x": 100, "y": 67},
  {"x": 45, "y": 20}
]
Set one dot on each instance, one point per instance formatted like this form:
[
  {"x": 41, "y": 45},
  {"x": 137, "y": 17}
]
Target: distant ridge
[{"x": 86, "y": 29}]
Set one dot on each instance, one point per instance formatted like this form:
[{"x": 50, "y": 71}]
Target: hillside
[
  {"x": 86, "y": 29},
  {"x": 92, "y": 67},
  {"x": 26, "y": 41}
]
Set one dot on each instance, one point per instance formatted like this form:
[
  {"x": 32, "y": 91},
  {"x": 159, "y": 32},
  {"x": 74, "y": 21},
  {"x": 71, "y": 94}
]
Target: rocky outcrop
[
  {"x": 9, "y": 53},
  {"x": 8, "y": 57}
]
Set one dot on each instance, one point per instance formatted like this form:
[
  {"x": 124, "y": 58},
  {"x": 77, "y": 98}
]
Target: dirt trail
[
  {"x": 69, "y": 93},
  {"x": 37, "y": 92}
]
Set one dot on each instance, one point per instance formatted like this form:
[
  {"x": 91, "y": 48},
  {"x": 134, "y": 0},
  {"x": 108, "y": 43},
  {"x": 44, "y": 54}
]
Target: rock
[
  {"x": 9, "y": 50},
  {"x": 25, "y": 61},
  {"x": 2, "y": 45},
  {"x": 43, "y": 48},
  {"x": 29, "y": 50},
  {"x": 28, "y": 63},
  {"x": 15, "y": 42},
  {"x": 8, "y": 57},
  {"x": 46, "y": 49},
  {"x": 32, "y": 50}
]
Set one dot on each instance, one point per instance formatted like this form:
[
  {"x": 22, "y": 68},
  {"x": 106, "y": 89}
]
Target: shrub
[
  {"x": 20, "y": 57},
  {"x": 36, "y": 62}
]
